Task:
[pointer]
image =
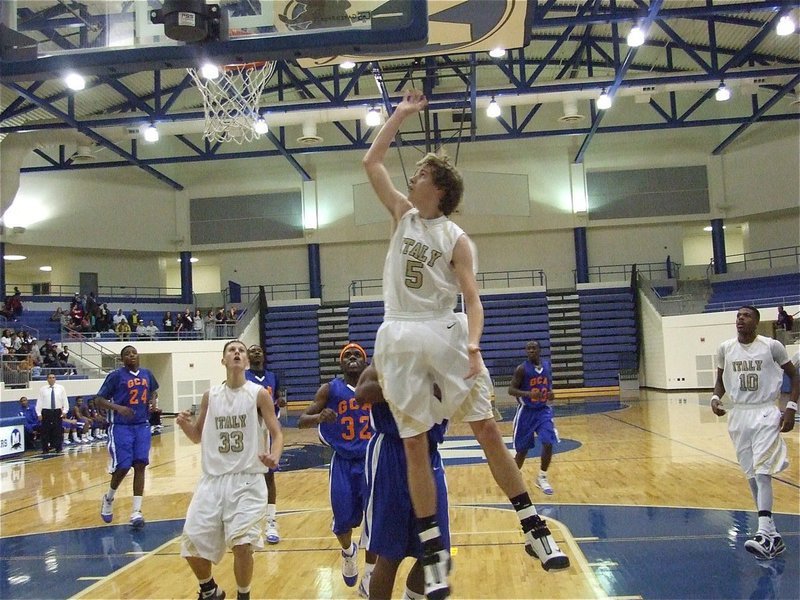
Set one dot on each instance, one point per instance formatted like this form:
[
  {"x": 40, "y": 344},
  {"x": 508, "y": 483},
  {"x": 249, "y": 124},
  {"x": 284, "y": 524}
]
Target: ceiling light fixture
[
  {"x": 723, "y": 92},
  {"x": 604, "y": 101},
  {"x": 193, "y": 259},
  {"x": 46, "y": 268},
  {"x": 497, "y": 52},
  {"x": 260, "y": 126},
  {"x": 15, "y": 257},
  {"x": 151, "y": 134},
  {"x": 785, "y": 26},
  {"x": 373, "y": 118},
  {"x": 347, "y": 65},
  {"x": 209, "y": 71},
  {"x": 635, "y": 37},
  {"x": 74, "y": 81},
  {"x": 493, "y": 110}
]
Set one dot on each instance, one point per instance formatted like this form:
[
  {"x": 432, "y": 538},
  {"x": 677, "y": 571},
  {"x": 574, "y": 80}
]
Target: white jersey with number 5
[
  {"x": 418, "y": 278},
  {"x": 752, "y": 372},
  {"x": 232, "y": 437}
]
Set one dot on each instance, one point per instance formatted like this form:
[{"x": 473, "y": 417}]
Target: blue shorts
[
  {"x": 532, "y": 422},
  {"x": 128, "y": 444},
  {"x": 390, "y": 528},
  {"x": 348, "y": 490}
]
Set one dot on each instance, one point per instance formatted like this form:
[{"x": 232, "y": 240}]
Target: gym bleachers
[
  {"x": 292, "y": 340},
  {"x": 363, "y": 321},
  {"x": 511, "y": 320},
  {"x": 608, "y": 334},
  {"x": 760, "y": 292}
]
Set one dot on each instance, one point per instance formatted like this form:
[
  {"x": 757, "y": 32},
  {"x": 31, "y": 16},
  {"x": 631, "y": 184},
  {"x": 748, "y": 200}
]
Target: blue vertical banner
[
  {"x": 718, "y": 246},
  {"x": 234, "y": 292},
  {"x": 314, "y": 271},
  {"x": 581, "y": 256},
  {"x": 187, "y": 296}
]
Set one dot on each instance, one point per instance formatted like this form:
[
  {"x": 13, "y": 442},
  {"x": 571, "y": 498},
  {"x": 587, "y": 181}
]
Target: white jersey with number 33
[
  {"x": 752, "y": 372},
  {"x": 232, "y": 437}
]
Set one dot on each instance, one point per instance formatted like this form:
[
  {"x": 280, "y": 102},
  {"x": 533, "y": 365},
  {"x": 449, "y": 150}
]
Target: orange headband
[{"x": 350, "y": 346}]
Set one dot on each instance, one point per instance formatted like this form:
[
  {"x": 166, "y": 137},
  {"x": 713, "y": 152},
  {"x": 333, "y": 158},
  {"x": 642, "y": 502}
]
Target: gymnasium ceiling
[{"x": 561, "y": 55}]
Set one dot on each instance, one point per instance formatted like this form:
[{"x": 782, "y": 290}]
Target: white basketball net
[{"x": 231, "y": 100}]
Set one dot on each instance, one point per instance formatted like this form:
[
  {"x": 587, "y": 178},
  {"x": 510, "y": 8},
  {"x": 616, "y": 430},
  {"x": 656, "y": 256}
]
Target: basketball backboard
[{"x": 44, "y": 38}]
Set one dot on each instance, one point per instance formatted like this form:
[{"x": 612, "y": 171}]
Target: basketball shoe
[
  {"x": 765, "y": 546},
  {"x": 350, "y": 565},
  {"x": 137, "y": 520},
  {"x": 543, "y": 484},
  {"x": 106, "y": 510},
  {"x": 540, "y": 544},
  {"x": 436, "y": 567},
  {"x": 272, "y": 535}
]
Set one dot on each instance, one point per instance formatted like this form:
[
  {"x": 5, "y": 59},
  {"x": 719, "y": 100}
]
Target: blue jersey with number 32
[
  {"x": 351, "y": 431},
  {"x": 133, "y": 390}
]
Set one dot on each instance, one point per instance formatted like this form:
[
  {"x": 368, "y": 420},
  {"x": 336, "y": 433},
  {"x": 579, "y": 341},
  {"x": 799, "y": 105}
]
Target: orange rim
[{"x": 255, "y": 65}]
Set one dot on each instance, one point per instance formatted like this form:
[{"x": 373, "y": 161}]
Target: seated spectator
[
  {"x": 152, "y": 329},
  {"x": 135, "y": 320},
  {"x": 117, "y": 318},
  {"x": 64, "y": 359},
  {"x": 155, "y": 421},
  {"x": 31, "y": 423},
  {"x": 99, "y": 421},
  {"x": 785, "y": 320},
  {"x": 12, "y": 308},
  {"x": 57, "y": 315},
  {"x": 5, "y": 339},
  {"x": 123, "y": 330}
]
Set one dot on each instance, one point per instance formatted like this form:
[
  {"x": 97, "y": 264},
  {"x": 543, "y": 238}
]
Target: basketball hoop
[{"x": 231, "y": 100}]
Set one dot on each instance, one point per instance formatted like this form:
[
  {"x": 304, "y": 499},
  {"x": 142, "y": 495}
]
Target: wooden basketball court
[{"x": 649, "y": 502}]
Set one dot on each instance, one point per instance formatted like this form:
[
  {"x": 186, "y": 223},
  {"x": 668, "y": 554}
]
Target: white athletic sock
[
  {"x": 137, "y": 504},
  {"x": 270, "y": 512},
  {"x": 110, "y": 493}
]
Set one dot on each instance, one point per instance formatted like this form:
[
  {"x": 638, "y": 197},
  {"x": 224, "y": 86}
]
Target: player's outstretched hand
[
  {"x": 414, "y": 101},
  {"x": 269, "y": 460}
]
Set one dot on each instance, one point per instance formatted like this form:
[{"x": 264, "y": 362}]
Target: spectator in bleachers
[
  {"x": 64, "y": 359},
  {"x": 168, "y": 323},
  {"x": 57, "y": 314},
  {"x": 76, "y": 314},
  {"x": 220, "y": 321},
  {"x": 91, "y": 304},
  {"x": 12, "y": 308},
  {"x": 5, "y": 340},
  {"x": 184, "y": 323},
  {"x": 117, "y": 318},
  {"x": 785, "y": 320},
  {"x": 231, "y": 316},
  {"x": 197, "y": 324},
  {"x": 123, "y": 330},
  {"x": 103, "y": 321},
  {"x": 134, "y": 320},
  {"x": 31, "y": 423},
  {"x": 209, "y": 324}
]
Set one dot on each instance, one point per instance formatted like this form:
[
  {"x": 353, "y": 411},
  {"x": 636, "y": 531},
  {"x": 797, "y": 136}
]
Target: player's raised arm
[{"x": 392, "y": 198}]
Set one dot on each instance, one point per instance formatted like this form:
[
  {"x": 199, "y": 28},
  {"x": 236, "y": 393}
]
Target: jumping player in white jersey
[
  {"x": 229, "y": 506},
  {"x": 429, "y": 262},
  {"x": 749, "y": 368}
]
